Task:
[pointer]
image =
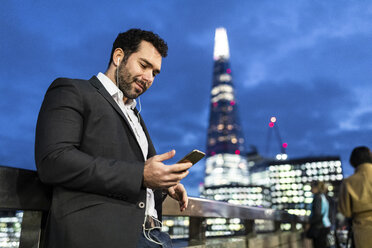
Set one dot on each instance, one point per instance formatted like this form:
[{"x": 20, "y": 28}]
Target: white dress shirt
[{"x": 133, "y": 120}]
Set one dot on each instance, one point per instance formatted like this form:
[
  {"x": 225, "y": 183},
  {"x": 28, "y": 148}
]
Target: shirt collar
[{"x": 114, "y": 91}]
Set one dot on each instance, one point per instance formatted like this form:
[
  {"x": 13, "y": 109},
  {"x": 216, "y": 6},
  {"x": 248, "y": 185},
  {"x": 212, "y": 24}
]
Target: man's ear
[{"x": 117, "y": 56}]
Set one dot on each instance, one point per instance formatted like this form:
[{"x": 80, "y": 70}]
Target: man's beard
[{"x": 126, "y": 82}]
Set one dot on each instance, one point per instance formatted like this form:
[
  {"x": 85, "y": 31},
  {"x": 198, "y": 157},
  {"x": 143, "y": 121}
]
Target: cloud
[
  {"x": 307, "y": 63},
  {"x": 293, "y": 44},
  {"x": 303, "y": 110}
]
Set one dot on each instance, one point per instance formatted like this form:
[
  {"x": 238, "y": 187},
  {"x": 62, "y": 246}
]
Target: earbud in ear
[{"x": 118, "y": 60}]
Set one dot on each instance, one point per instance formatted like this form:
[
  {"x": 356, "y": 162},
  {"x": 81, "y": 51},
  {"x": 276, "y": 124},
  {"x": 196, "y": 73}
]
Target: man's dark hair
[
  {"x": 360, "y": 155},
  {"x": 129, "y": 41}
]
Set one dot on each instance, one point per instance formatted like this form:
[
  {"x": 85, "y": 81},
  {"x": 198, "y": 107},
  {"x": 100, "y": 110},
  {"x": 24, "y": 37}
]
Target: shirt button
[{"x": 141, "y": 205}]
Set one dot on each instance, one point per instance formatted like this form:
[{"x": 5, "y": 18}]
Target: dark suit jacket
[{"x": 87, "y": 150}]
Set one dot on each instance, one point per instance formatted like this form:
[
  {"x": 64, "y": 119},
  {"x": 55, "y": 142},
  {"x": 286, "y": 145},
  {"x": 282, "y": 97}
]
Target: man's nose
[{"x": 147, "y": 76}]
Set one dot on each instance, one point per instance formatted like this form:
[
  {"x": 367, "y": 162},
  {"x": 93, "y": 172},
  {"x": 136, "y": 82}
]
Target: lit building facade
[
  {"x": 259, "y": 173},
  {"x": 249, "y": 195},
  {"x": 10, "y": 228},
  {"x": 227, "y": 169},
  {"x": 290, "y": 182},
  {"x": 225, "y": 161}
]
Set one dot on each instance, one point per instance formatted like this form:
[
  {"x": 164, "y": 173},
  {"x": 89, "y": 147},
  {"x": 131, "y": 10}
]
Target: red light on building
[
  {"x": 285, "y": 145},
  {"x": 237, "y": 152},
  {"x": 215, "y": 104},
  {"x": 213, "y": 153},
  {"x": 271, "y": 124},
  {"x": 228, "y": 70},
  {"x": 232, "y": 103}
]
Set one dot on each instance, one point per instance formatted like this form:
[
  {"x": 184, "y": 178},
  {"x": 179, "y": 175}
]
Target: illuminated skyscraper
[
  {"x": 226, "y": 173},
  {"x": 226, "y": 163}
]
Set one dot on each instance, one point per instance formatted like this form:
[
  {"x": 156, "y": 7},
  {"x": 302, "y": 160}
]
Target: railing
[
  {"x": 201, "y": 209},
  {"x": 22, "y": 190}
]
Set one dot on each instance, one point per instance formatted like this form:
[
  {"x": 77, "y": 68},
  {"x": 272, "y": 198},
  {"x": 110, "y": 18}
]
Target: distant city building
[
  {"x": 226, "y": 163},
  {"x": 289, "y": 181},
  {"x": 249, "y": 195},
  {"x": 10, "y": 228},
  {"x": 227, "y": 169},
  {"x": 176, "y": 226},
  {"x": 259, "y": 173},
  {"x": 236, "y": 176}
]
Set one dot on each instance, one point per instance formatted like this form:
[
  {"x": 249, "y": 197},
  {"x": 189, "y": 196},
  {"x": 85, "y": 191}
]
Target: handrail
[
  {"x": 199, "y": 207},
  {"x": 21, "y": 189}
]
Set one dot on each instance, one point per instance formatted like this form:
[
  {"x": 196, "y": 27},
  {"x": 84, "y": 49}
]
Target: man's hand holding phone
[{"x": 158, "y": 175}]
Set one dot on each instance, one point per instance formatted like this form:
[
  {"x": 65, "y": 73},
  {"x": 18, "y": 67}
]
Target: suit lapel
[
  {"x": 151, "y": 150},
  {"x": 101, "y": 89}
]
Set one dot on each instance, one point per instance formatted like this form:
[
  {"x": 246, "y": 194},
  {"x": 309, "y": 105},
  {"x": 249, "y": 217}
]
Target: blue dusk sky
[{"x": 306, "y": 62}]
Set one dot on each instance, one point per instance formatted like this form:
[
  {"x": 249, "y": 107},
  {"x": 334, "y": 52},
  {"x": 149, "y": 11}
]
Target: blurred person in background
[
  {"x": 355, "y": 199},
  {"x": 319, "y": 218}
]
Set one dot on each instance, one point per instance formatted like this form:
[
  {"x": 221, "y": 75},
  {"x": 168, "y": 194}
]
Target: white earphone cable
[{"x": 140, "y": 108}]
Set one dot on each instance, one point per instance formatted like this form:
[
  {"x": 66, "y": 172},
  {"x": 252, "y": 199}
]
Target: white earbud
[{"x": 117, "y": 74}]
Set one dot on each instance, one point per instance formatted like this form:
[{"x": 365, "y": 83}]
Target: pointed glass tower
[
  {"x": 226, "y": 169},
  {"x": 226, "y": 163}
]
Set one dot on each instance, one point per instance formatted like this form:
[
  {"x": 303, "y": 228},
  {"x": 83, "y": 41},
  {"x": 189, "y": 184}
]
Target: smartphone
[{"x": 194, "y": 156}]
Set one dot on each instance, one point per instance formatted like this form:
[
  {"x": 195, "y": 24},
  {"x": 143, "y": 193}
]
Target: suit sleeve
[
  {"x": 344, "y": 202},
  {"x": 58, "y": 158}
]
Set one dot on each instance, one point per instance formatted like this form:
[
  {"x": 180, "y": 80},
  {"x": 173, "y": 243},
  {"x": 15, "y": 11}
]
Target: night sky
[{"x": 306, "y": 62}]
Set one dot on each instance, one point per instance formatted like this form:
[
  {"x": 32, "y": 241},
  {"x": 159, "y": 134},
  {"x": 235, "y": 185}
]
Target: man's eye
[{"x": 142, "y": 65}]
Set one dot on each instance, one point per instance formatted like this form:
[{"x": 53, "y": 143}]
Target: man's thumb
[{"x": 165, "y": 156}]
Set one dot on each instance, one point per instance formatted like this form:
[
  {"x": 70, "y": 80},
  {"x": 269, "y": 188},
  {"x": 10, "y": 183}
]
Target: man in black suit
[{"x": 93, "y": 147}]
